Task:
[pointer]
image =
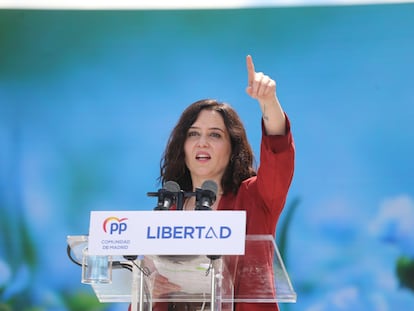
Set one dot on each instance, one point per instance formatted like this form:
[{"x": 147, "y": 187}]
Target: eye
[
  {"x": 215, "y": 135},
  {"x": 192, "y": 134}
]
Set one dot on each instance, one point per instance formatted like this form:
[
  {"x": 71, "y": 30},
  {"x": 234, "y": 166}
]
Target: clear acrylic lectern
[{"x": 258, "y": 276}]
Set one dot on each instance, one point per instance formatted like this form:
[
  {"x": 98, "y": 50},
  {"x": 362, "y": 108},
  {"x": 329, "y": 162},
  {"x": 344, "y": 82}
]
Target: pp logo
[{"x": 113, "y": 225}]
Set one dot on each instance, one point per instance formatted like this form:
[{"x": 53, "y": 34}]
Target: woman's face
[{"x": 207, "y": 148}]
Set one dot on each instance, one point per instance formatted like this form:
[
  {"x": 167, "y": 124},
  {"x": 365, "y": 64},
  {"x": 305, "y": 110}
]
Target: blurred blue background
[{"x": 88, "y": 98}]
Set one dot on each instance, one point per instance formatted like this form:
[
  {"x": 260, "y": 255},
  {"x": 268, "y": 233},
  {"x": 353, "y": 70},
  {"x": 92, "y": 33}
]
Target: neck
[{"x": 199, "y": 183}]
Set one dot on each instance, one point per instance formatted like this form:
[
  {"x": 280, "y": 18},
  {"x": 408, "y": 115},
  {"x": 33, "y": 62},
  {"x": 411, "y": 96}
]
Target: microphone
[
  {"x": 205, "y": 198},
  {"x": 206, "y": 195},
  {"x": 166, "y": 195}
]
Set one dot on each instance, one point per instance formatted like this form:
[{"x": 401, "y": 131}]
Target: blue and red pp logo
[{"x": 113, "y": 225}]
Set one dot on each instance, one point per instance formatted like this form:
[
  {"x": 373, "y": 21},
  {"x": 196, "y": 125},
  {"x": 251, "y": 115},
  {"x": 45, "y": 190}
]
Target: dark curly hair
[{"x": 240, "y": 166}]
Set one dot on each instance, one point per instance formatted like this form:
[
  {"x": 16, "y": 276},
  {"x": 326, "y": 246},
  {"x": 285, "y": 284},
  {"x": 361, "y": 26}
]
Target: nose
[{"x": 203, "y": 141}]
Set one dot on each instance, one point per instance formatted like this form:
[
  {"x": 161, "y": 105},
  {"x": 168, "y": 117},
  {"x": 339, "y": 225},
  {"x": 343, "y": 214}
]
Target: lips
[{"x": 202, "y": 156}]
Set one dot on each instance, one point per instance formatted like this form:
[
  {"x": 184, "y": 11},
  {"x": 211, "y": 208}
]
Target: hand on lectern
[{"x": 162, "y": 286}]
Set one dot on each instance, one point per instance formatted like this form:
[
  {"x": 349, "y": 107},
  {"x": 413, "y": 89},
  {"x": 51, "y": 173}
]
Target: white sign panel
[{"x": 167, "y": 233}]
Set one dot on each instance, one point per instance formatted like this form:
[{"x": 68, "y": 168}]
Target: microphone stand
[
  {"x": 179, "y": 196},
  {"x": 180, "y": 201}
]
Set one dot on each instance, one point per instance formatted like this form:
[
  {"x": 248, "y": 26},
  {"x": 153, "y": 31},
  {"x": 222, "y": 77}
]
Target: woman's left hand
[
  {"x": 260, "y": 86},
  {"x": 263, "y": 88}
]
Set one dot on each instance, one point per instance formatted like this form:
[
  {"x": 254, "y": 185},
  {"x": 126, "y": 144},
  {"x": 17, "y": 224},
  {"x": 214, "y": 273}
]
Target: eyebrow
[{"x": 210, "y": 129}]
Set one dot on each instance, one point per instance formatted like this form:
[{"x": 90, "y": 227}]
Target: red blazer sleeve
[{"x": 276, "y": 167}]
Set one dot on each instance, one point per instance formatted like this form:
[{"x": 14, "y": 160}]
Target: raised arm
[{"x": 263, "y": 88}]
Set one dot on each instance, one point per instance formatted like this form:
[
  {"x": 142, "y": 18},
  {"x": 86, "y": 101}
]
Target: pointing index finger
[{"x": 250, "y": 70}]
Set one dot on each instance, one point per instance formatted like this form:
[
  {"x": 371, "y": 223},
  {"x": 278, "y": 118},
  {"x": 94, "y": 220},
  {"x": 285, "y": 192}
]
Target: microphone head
[
  {"x": 206, "y": 195},
  {"x": 167, "y": 195},
  {"x": 172, "y": 186},
  {"x": 210, "y": 185}
]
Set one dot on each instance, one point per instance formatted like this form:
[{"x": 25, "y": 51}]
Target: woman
[{"x": 209, "y": 142}]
